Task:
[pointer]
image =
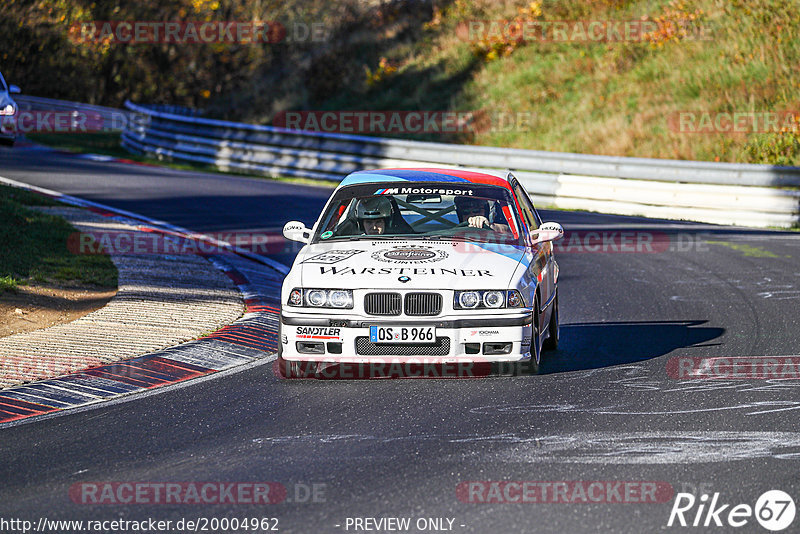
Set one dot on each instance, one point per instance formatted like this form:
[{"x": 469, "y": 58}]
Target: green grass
[
  {"x": 84, "y": 143},
  {"x": 35, "y": 247},
  {"x": 601, "y": 98},
  {"x": 617, "y": 99},
  {"x": 748, "y": 250},
  {"x": 7, "y": 282},
  {"x": 25, "y": 197}
]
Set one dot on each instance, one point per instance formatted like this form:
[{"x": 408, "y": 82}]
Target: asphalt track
[{"x": 604, "y": 409}]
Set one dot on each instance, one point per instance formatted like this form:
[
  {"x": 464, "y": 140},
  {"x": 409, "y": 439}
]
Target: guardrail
[
  {"x": 722, "y": 193},
  {"x": 100, "y": 117}
]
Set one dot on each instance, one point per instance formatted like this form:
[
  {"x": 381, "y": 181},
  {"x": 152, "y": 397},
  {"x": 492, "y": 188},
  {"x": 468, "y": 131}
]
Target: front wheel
[
  {"x": 295, "y": 369},
  {"x": 551, "y": 343},
  {"x": 532, "y": 365}
]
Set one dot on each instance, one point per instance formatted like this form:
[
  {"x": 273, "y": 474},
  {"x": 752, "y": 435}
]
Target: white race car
[{"x": 421, "y": 265}]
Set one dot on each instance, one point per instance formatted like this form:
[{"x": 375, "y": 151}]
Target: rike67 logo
[{"x": 774, "y": 510}]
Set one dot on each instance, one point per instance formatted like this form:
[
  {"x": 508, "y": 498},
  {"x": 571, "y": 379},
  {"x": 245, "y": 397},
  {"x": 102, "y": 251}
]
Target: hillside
[
  {"x": 702, "y": 79},
  {"x": 616, "y": 98}
]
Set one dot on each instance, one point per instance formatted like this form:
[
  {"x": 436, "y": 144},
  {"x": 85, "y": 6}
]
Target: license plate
[{"x": 402, "y": 334}]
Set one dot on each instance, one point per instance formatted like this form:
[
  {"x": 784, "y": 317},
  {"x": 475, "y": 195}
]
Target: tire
[
  {"x": 551, "y": 343},
  {"x": 536, "y": 355},
  {"x": 295, "y": 369}
]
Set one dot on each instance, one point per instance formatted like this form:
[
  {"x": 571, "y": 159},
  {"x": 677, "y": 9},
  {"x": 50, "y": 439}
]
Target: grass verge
[{"x": 35, "y": 247}]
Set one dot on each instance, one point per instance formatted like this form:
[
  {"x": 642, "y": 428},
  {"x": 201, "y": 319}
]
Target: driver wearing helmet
[
  {"x": 373, "y": 215},
  {"x": 475, "y": 212}
]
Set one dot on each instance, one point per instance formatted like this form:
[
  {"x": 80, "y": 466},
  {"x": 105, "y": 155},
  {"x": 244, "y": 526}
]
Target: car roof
[{"x": 432, "y": 174}]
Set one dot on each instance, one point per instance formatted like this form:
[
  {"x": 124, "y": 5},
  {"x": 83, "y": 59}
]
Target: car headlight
[
  {"x": 491, "y": 299},
  {"x": 494, "y": 299},
  {"x": 468, "y": 299},
  {"x": 317, "y": 298},
  {"x": 340, "y": 299},
  {"x": 321, "y": 298},
  {"x": 8, "y": 110}
]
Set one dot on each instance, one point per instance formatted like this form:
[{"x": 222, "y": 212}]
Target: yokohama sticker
[
  {"x": 483, "y": 333},
  {"x": 409, "y": 254}
]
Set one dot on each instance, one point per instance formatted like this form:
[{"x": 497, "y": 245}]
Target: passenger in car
[{"x": 478, "y": 213}]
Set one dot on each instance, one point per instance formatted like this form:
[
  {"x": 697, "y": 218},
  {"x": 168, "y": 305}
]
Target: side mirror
[
  {"x": 296, "y": 231},
  {"x": 549, "y": 231},
  {"x": 14, "y": 89}
]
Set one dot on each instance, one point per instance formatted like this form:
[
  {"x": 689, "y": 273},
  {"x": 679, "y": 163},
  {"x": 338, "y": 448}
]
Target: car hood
[{"x": 405, "y": 264}]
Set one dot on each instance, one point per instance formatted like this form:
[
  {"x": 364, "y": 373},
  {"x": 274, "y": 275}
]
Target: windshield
[
  {"x": 422, "y": 210},
  {"x": 3, "y": 87}
]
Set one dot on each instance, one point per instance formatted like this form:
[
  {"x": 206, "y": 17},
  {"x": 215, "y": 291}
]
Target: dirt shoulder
[
  {"x": 36, "y": 306},
  {"x": 161, "y": 300},
  {"x": 42, "y": 282}
]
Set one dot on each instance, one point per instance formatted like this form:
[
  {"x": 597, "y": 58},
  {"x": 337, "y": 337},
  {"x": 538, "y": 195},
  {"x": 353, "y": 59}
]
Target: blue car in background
[{"x": 8, "y": 111}]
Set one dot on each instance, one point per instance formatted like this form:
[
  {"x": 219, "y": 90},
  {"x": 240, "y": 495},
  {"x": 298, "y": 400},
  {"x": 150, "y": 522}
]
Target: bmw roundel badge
[{"x": 404, "y": 279}]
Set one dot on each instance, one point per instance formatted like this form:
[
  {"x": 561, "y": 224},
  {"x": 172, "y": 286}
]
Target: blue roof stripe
[
  {"x": 363, "y": 178},
  {"x": 386, "y": 175},
  {"x": 420, "y": 176}
]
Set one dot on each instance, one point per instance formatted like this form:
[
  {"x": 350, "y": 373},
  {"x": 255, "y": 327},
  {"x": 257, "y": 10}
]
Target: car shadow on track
[{"x": 594, "y": 345}]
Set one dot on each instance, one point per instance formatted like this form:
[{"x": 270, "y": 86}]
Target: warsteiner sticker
[
  {"x": 332, "y": 256},
  {"x": 409, "y": 254},
  {"x": 425, "y": 271}
]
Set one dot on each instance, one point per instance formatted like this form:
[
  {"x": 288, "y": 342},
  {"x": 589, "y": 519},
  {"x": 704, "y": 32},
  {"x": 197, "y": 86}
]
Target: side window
[
  {"x": 528, "y": 212},
  {"x": 538, "y": 217}
]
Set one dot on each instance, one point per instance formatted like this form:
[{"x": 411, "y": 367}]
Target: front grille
[
  {"x": 423, "y": 304},
  {"x": 382, "y": 303},
  {"x": 367, "y": 348}
]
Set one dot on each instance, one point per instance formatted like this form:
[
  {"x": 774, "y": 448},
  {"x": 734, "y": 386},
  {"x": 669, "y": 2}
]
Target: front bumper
[
  {"x": 8, "y": 127},
  {"x": 480, "y": 338}
]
